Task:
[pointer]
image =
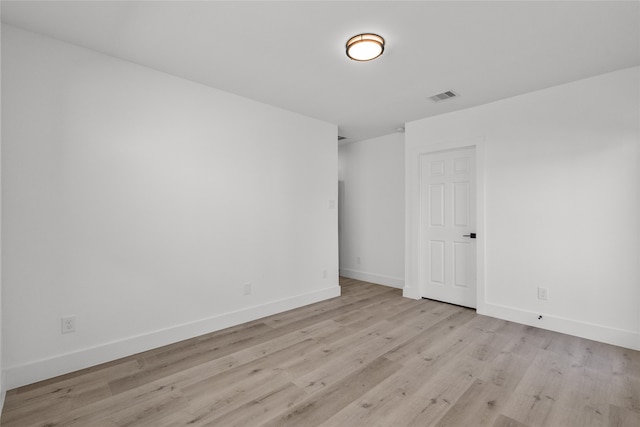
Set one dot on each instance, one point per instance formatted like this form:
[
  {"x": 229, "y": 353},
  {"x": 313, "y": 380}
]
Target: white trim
[
  {"x": 605, "y": 334},
  {"x": 412, "y": 215},
  {"x": 31, "y": 372},
  {"x": 394, "y": 282}
]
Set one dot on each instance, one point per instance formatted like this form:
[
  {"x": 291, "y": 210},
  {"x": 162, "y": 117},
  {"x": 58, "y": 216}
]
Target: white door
[{"x": 447, "y": 216}]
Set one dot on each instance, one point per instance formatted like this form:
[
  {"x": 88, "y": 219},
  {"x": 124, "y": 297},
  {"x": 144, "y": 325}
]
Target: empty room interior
[{"x": 305, "y": 213}]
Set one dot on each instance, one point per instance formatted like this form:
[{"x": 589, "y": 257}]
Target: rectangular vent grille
[
  {"x": 340, "y": 138},
  {"x": 442, "y": 96}
]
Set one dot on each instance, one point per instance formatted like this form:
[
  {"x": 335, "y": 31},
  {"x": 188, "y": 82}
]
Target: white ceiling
[{"x": 291, "y": 53}]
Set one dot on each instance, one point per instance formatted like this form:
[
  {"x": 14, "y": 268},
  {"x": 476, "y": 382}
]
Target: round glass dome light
[{"x": 365, "y": 47}]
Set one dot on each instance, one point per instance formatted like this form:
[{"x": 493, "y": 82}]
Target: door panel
[
  {"x": 461, "y": 255},
  {"x": 461, "y": 206},
  {"x": 436, "y": 205},
  {"x": 447, "y": 213},
  {"x": 437, "y": 262}
]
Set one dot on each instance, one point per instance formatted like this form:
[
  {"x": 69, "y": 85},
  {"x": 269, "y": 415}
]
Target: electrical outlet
[
  {"x": 247, "y": 289},
  {"x": 68, "y": 324},
  {"x": 543, "y": 294},
  {"x": 324, "y": 274},
  {"x": 358, "y": 260}
]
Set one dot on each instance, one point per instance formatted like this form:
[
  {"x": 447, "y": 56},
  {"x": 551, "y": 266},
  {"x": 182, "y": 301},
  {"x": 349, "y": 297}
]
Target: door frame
[{"x": 413, "y": 248}]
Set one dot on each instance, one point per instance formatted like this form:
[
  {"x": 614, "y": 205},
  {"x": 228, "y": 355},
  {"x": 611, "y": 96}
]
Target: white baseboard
[
  {"x": 605, "y": 334},
  {"x": 379, "y": 279},
  {"x": 31, "y": 372}
]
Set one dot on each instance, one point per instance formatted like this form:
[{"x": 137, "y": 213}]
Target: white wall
[
  {"x": 2, "y": 383},
  {"x": 372, "y": 210},
  {"x": 142, "y": 203},
  {"x": 562, "y": 184}
]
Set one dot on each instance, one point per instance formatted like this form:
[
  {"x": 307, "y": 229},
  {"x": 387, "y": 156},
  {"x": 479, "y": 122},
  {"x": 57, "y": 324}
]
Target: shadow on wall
[{"x": 340, "y": 219}]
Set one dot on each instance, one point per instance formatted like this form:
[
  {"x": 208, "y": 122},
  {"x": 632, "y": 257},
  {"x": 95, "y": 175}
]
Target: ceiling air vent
[
  {"x": 442, "y": 96},
  {"x": 340, "y": 138}
]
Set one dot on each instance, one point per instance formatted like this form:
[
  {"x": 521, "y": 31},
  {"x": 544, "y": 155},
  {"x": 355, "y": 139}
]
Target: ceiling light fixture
[{"x": 365, "y": 47}]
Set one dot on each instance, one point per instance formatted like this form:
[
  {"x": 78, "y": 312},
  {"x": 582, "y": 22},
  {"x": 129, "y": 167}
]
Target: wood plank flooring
[{"x": 367, "y": 358}]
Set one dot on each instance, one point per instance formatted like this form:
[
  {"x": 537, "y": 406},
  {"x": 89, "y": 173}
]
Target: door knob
[{"x": 472, "y": 235}]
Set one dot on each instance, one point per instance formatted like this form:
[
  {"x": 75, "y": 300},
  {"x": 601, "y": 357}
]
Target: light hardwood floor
[{"x": 367, "y": 358}]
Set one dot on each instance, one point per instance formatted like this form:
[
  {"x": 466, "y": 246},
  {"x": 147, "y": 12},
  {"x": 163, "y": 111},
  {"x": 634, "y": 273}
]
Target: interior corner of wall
[{"x": 3, "y": 391}]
